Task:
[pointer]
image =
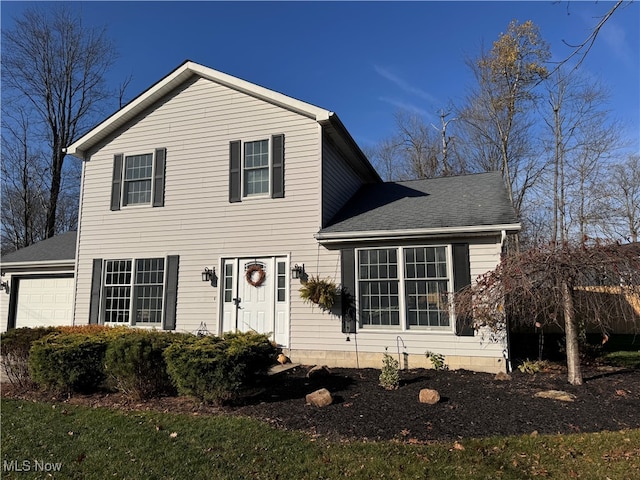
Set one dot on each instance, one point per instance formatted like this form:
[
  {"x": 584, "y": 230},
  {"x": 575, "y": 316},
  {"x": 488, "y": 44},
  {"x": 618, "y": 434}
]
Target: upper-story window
[
  {"x": 138, "y": 179},
  {"x": 256, "y": 168},
  {"x": 138, "y": 173}
]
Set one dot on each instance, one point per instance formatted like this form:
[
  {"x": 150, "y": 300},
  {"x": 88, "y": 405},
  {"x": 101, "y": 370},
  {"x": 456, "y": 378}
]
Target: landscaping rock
[
  {"x": 320, "y": 398},
  {"x": 556, "y": 395},
  {"x": 429, "y": 396},
  {"x": 502, "y": 376},
  {"x": 319, "y": 371}
]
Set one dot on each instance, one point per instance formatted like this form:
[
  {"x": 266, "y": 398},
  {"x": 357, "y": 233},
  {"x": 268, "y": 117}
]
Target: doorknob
[{"x": 236, "y": 301}]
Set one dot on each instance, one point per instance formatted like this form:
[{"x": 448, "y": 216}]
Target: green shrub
[
  {"x": 437, "y": 360},
  {"x": 390, "y": 374},
  {"x": 216, "y": 369},
  {"x": 68, "y": 362},
  {"x": 16, "y": 344},
  {"x": 135, "y": 365}
]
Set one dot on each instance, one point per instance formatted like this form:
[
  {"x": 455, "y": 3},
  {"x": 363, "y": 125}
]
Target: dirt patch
[{"x": 472, "y": 404}]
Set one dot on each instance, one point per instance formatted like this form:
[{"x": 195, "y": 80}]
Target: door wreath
[{"x": 255, "y": 275}]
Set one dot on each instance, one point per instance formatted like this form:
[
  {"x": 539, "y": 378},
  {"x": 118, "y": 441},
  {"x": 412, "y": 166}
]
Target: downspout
[{"x": 506, "y": 352}]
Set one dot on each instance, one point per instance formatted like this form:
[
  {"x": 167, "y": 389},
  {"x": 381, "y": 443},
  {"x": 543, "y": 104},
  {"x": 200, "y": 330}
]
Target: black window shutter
[
  {"x": 96, "y": 287},
  {"x": 158, "y": 178},
  {"x": 235, "y": 190},
  {"x": 171, "y": 293},
  {"x": 348, "y": 273},
  {"x": 116, "y": 184},
  {"x": 277, "y": 170},
  {"x": 462, "y": 279}
]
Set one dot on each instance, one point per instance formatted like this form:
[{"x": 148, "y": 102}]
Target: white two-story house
[{"x": 207, "y": 200}]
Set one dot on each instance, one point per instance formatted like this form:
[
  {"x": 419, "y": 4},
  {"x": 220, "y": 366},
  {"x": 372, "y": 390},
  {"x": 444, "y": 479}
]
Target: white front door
[{"x": 255, "y": 296}]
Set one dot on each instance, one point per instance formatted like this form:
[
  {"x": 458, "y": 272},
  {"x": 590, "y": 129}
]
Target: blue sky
[{"x": 363, "y": 60}]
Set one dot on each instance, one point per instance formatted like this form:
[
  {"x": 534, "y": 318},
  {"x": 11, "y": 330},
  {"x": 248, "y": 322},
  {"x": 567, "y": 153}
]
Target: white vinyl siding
[
  {"x": 196, "y": 124},
  {"x": 339, "y": 181}
]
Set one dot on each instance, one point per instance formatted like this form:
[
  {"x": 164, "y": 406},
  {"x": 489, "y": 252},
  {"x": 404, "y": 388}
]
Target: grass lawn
[
  {"x": 627, "y": 359},
  {"x": 93, "y": 443}
]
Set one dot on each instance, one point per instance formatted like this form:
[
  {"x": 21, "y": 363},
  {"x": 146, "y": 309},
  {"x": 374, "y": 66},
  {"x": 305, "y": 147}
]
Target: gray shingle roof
[
  {"x": 467, "y": 200},
  {"x": 60, "y": 247}
]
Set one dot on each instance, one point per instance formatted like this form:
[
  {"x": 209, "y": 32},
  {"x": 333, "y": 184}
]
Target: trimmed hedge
[
  {"x": 217, "y": 369},
  {"x": 68, "y": 362},
  {"x": 135, "y": 365},
  {"x": 141, "y": 363}
]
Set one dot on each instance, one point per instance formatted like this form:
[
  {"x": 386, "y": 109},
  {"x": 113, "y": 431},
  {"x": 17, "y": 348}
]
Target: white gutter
[{"x": 341, "y": 237}]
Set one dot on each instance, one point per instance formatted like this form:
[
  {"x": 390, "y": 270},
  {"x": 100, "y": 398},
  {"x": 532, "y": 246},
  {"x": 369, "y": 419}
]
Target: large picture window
[
  {"x": 404, "y": 288},
  {"x": 134, "y": 291}
]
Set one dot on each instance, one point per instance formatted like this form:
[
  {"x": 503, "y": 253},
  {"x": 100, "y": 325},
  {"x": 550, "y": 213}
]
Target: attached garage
[
  {"x": 39, "y": 284},
  {"x": 44, "y": 301}
]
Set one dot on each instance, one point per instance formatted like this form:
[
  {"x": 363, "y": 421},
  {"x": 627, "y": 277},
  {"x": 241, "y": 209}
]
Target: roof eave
[
  {"x": 344, "y": 139},
  {"x": 409, "y": 234},
  {"x": 9, "y": 267}
]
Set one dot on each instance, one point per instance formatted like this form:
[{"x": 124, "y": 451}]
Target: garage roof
[{"x": 59, "y": 248}]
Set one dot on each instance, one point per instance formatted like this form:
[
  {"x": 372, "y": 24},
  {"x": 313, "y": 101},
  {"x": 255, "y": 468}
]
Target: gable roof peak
[{"x": 176, "y": 77}]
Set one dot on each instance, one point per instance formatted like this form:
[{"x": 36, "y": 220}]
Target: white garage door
[{"x": 44, "y": 302}]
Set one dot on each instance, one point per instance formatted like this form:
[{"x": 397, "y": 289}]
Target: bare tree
[
  {"x": 24, "y": 175},
  {"x": 583, "y": 138},
  {"x": 623, "y": 199},
  {"x": 385, "y": 159},
  {"x": 581, "y": 50},
  {"x": 417, "y": 150},
  {"x": 567, "y": 285},
  {"x": 496, "y": 116},
  {"x": 57, "y": 66}
]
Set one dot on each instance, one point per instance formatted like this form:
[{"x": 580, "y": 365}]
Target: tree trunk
[
  {"x": 54, "y": 191},
  {"x": 574, "y": 374}
]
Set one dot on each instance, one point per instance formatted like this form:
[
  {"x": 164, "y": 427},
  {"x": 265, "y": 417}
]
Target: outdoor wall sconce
[
  {"x": 209, "y": 276},
  {"x": 4, "y": 286},
  {"x": 297, "y": 271}
]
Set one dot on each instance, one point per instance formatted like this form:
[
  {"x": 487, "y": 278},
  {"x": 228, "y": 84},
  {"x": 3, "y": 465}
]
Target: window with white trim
[
  {"x": 426, "y": 285},
  {"x": 404, "y": 288},
  {"x": 138, "y": 179},
  {"x": 133, "y": 291},
  {"x": 138, "y": 176},
  {"x": 378, "y": 287},
  {"x": 255, "y": 169}
]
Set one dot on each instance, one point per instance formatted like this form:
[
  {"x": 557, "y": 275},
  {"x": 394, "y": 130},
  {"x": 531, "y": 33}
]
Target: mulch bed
[{"x": 472, "y": 404}]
